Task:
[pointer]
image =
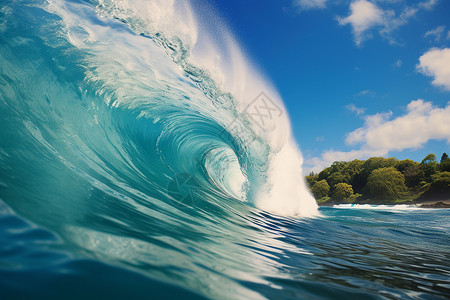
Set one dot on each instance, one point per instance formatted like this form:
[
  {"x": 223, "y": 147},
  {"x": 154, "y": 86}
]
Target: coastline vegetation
[{"x": 379, "y": 180}]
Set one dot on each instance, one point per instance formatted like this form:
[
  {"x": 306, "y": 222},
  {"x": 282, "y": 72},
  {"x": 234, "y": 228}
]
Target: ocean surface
[
  {"x": 346, "y": 253},
  {"x": 143, "y": 155}
]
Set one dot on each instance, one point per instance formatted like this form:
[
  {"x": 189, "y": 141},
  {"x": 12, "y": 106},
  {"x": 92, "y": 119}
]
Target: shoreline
[
  {"x": 435, "y": 204},
  {"x": 422, "y": 204}
]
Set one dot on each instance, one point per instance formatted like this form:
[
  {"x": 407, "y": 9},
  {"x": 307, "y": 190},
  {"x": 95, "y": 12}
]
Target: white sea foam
[{"x": 378, "y": 207}]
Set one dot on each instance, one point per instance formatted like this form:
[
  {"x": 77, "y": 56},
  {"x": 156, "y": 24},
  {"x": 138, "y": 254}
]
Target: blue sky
[{"x": 359, "y": 78}]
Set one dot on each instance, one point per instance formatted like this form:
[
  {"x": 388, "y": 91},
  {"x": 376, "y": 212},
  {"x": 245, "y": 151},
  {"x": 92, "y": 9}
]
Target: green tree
[
  {"x": 320, "y": 189},
  {"x": 311, "y": 179},
  {"x": 413, "y": 175},
  {"x": 439, "y": 187},
  {"x": 429, "y": 159},
  {"x": 353, "y": 170},
  {"x": 385, "y": 184},
  {"x": 336, "y": 178},
  {"x": 411, "y": 171},
  {"x": 338, "y": 166},
  {"x": 444, "y": 166},
  {"x": 441, "y": 182},
  {"x": 429, "y": 167},
  {"x": 379, "y": 162},
  {"x": 402, "y": 165},
  {"x": 325, "y": 173},
  {"x": 342, "y": 191},
  {"x": 374, "y": 163},
  {"x": 353, "y": 167}
]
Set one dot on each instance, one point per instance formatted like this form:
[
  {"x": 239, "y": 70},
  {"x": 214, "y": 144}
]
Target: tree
[
  {"x": 413, "y": 175},
  {"x": 374, "y": 163},
  {"x": 439, "y": 187},
  {"x": 352, "y": 171},
  {"x": 353, "y": 167},
  {"x": 441, "y": 182},
  {"x": 379, "y": 162},
  {"x": 320, "y": 189},
  {"x": 429, "y": 159},
  {"x": 336, "y": 178},
  {"x": 402, "y": 165},
  {"x": 444, "y": 157},
  {"x": 411, "y": 171},
  {"x": 444, "y": 166},
  {"x": 342, "y": 191},
  {"x": 311, "y": 179},
  {"x": 429, "y": 167},
  {"x": 325, "y": 173},
  {"x": 385, "y": 184},
  {"x": 338, "y": 166}
]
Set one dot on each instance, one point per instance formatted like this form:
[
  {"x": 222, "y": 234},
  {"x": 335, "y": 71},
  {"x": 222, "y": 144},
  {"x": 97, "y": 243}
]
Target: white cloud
[
  {"x": 364, "y": 15},
  {"x": 357, "y": 110},
  {"x": 428, "y": 5},
  {"x": 358, "y": 136},
  {"x": 381, "y": 134},
  {"x": 421, "y": 123},
  {"x": 435, "y": 33},
  {"x": 310, "y": 4},
  {"x": 436, "y": 63}
]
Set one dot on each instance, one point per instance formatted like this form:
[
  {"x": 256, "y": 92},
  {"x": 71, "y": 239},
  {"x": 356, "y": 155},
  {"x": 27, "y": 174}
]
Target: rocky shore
[
  {"x": 422, "y": 204},
  {"x": 439, "y": 204}
]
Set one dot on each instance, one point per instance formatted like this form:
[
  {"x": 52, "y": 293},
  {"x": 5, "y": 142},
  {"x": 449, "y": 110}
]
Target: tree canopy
[
  {"x": 385, "y": 183},
  {"x": 382, "y": 179},
  {"x": 342, "y": 191},
  {"x": 320, "y": 189},
  {"x": 444, "y": 166},
  {"x": 430, "y": 158}
]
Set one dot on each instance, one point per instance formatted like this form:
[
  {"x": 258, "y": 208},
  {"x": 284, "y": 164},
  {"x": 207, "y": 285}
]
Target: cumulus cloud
[
  {"x": 310, "y": 4},
  {"x": 358, "y": 136},
  {"x": 436, "y": 63},
  {"x": 435, "y": 33},
  {"x": 365, "y": 16},
  {"x": 421, "y": 123},
  {"x": 382, "y": 134}
]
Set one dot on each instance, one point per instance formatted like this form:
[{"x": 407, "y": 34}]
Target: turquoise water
[
  {"x": 346, "y": 253},
  {"x": 131, "y": 166}
]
